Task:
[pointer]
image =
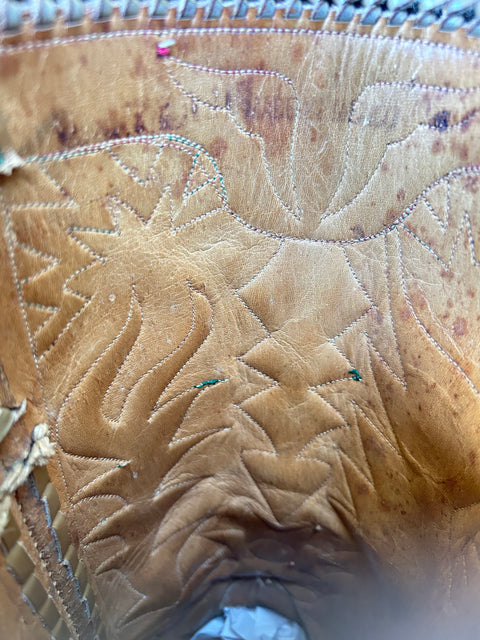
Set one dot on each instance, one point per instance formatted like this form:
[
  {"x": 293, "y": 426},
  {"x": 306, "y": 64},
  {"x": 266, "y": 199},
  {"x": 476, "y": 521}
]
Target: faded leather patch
[{"x": 249, "y": 274}]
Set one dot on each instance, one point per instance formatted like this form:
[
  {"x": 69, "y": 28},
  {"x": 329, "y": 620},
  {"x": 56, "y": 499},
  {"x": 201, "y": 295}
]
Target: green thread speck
[
  {"x": 355, "y": 375},
  {"x": 208, "y": 383}
]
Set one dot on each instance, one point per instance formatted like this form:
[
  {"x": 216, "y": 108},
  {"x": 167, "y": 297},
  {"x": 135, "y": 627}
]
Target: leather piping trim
[
  {"x": 31, "y": 33},
  {"x": 54, "y": 605}
]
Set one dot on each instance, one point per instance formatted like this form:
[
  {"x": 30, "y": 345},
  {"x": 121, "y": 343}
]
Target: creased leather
[{"x": 249, "y": 273}]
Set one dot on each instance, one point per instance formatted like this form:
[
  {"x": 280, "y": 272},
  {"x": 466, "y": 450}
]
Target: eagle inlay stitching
[
  {"x": 391, "y": 145},
  {"x": 401, "y": 84},
  {"x": 239, "y": 72},
  {"x": 87, "y": 150}
]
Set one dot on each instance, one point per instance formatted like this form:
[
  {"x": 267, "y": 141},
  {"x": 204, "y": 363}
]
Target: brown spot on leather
[
  {"x": 175, "y": 119},
  {"x": 362, "y": 489},
  {"x": 9, "y": 66},
  {"x": 246, "y": 94},
  {"x": 63, "y": 127},
  {"x": 440, "y": 120},
  {"x": 297, "y": 52},
  {"x": 438, "y": 146},
  {"x": 358, "y": 231},
  {"x": 392, "y": 215},
  {"x": 406, "y": 313},
  {"x": 218, "y": 147},
  {"x": 447, "y": 274},
  {"x": 139, "y": 66},
  {"x": 401, "y": 194},
  {"x": 139, "y": 126},
  {"x": 471, "y": 292},
  {"x": 460, "y": 327},
  {"x": 313, "y": 134},
  {"x": 384, "y": 167},
  {"x": 471, "y": 184},
  {"x": 83, "y": 60}
]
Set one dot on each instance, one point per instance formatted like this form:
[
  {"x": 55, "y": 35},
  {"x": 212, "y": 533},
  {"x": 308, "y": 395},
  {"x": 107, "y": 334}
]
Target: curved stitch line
[
  {"x": 152, "y": 368},
  {"x": 443, "y": 225},
  {"x": 201, "y": 392},
  {"x": 419, "y": 43},
  {"x": 53, "y": 261},
  {"x": 321, "y": 435},
  {"x": 341, "y": 451},
  {"x": 313, "y": 495},
  {"x": 389, "y": 294},
  {"x": 189, "y": 223},
  {"x": 465, "y": 223},
  {"x": 72, "y": 391},
  {"x": 394, "y": 435},
  {"x": 210, "y": 331},
  {"x": 181, "y": 551},
  {"x": 11, "y": 241}
]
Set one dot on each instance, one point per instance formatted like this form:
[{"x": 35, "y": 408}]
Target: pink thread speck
[{"x": 163, "y": 48}]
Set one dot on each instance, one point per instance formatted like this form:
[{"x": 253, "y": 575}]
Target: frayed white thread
[
  {"x": 40, "y": 451},
  {"x": 8, "y": 417},
  {"x": 9, "y": 161}
]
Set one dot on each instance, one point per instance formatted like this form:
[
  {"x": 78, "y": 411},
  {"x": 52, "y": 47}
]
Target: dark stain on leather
[
  {"x": 139, "y": 125},
  {"x": 440, "y": 120},
  {"x": 460, "y": 327},
  {"x": 64, "y": 128},
  {"x": 245, "y": 86},
  {"x": 471, "y": 184},
  {"x": 438, "y": 146},
  {"x": 9, "y": 66},
  {"x": 139, "y": 66},
  {"x": 218, "y": 147},
  {"x": 114, "y": 127}
]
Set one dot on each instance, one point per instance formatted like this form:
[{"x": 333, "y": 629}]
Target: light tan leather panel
[{"x": 249, "y": 274}]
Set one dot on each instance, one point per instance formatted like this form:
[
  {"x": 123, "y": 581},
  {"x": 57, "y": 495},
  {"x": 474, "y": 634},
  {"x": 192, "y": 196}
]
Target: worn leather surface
[{"x": 249, "y": 274}]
